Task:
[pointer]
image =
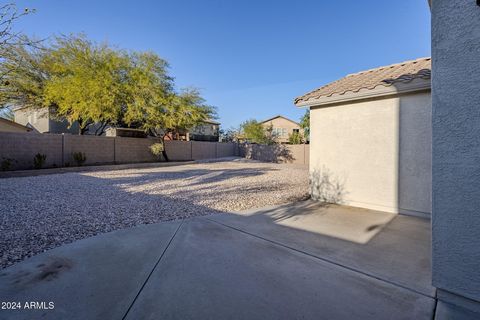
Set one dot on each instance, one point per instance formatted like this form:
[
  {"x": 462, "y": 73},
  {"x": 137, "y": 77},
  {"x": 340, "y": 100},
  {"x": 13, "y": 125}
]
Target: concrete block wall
[
  {"x": 22, "y": 147},
  {"x": 179, "y": 150},
  {"x": 97, "y": 150},
  {"x": 226, "y": 150},
  {"x": 131, "y": 150},
  {"x": 203, "y": 150},
  {"x": 280, "y": 153},
  {"x": 297, "y": 153},
  {"x": 198, "y": 150}
]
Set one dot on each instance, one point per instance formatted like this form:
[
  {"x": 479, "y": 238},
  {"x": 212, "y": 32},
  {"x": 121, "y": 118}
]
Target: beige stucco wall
[
  {"x": 282, "y": 123},
  {"x": 374, "y": 154},
  {"x": 43, "y": 121},
  {"x": 37, "y": 118}
]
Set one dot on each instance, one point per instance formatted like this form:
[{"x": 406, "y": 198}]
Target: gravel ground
[{"x": 43, "y": 212}]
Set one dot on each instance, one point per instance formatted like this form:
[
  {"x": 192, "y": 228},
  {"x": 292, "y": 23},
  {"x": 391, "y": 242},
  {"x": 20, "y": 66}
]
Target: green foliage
[
  {"x": 157, "y": 149},
  {"x": 39, "y": 160},
  {"x": 305, "y": 124},
  {"x": 6, "y": 163},
  {"x": 79, "y": 158},
  {"x": 24, "y": 77},
  {"x": 88, "y": 81},
  {"x": 255, "y": 132},
  {"x": 171, "y": 112},
  {"x": 295, "y": 138}
]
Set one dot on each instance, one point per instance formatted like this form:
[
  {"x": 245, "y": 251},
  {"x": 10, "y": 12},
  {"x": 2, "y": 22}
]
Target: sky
[{"x": 249, "y": 58}]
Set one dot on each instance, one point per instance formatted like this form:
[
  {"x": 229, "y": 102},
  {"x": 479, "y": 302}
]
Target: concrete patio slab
[
  {"x": 214, "y": 272},
  {"x": 446, "y": 311},
  {"x": 95, "y": 278},
  {"x": 394, "y": 248},
  {"x": 280, "y": 266}
]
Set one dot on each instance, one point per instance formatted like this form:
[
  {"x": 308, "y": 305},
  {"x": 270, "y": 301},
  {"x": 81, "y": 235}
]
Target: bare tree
[
  {"x": 9, "y": 38},
  {"x": 8, "y": 15}
]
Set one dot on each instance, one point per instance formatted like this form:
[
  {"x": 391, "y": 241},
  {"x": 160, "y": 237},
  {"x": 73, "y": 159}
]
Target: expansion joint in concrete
[
  {"x": 153, "y": 269},
  {"x": 322, "y": 259}
]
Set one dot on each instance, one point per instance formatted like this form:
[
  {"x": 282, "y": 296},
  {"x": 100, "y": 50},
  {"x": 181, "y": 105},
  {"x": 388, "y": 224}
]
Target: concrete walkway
[{"x": 301, "y": 261}]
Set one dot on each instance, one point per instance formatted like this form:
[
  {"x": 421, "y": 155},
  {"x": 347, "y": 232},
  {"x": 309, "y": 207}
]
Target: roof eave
[
  {"x": 379, "y": 91},
  {"x": 279, "y": 116}
]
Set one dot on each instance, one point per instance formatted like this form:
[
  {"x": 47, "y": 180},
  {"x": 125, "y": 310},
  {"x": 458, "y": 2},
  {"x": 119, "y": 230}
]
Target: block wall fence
[{"x": 20, "y": 148}]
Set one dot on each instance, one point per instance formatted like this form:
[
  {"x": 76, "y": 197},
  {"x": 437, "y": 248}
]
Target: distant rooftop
[{"x": 279, "y": 116}]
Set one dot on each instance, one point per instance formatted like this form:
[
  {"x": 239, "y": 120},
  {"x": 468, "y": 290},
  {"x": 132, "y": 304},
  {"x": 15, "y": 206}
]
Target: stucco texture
[
  {"x": 374, "y": 153},
  {"x": 456, "y": 146},
  {"x": 284, "y": 126}
]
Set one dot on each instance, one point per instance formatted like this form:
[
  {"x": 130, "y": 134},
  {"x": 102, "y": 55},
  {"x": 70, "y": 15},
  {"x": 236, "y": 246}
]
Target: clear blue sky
[{"x": 249, "y": 58}]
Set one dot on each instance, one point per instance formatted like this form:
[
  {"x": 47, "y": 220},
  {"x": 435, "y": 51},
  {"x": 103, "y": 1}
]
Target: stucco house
[
  {"x": 371, "y": 139},
  {"x": 282, "y": 127},
  {"x": 208, "y": 130},
  {"x": 43, "y": 120}
]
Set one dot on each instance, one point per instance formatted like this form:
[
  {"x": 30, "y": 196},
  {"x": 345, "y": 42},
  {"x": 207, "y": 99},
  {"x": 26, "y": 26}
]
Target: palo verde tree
[
  {"x": 25, "y": 73},
  {"x": 9, "y": 38},
  {"x": 87, "y": 84},
  {"x": 255, "y": 132},
  {"x": 96, "y": 85},
  {"x": 167, "y": 112}
]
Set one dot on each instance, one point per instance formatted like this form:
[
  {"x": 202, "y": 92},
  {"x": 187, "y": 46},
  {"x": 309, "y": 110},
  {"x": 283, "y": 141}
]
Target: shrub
[
  {"x": 39, "y": 160},
  {"x": 156, "y": 149},
  {"x": 6, "y": 164},
  {"x": 79, "y": 158},
  {"x": 295, "y": 138}
]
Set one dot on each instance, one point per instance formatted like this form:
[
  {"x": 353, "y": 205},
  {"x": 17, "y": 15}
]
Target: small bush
[
  {"x": 295, "y": 138},
  {"x": 39, "y": 160},
  {"x": 79, "y": 158},
  {"x": 156, "y": 149},
  {"x": 6, "y": 164}
]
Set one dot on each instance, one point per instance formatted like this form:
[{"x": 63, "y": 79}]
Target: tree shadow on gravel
[
  {"x": 57, "y": 209},
  {"x": 196, "y": 176}
]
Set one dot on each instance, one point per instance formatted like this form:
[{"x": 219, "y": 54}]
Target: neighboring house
[
  {"x": 370, "y": 139},
  {"x": 125, "y": 132},
  {"x": 43, "y": 120},
  {"x": 282, "y": 127},
  {"x": 207, "y": 131},
  {"x": 11, "y": 126}
]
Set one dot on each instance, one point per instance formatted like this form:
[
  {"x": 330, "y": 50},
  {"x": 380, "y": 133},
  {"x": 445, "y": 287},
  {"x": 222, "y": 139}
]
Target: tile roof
[{"x": 370, "y": 79}]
